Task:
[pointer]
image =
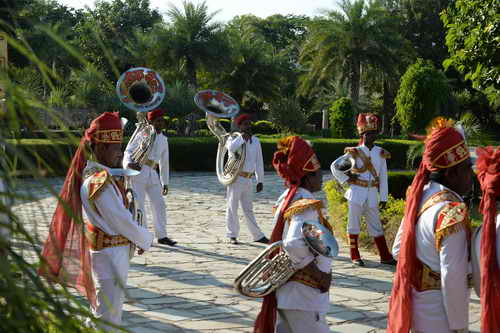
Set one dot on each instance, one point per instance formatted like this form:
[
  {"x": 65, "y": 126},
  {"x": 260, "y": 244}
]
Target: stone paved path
[{"x": 188, "y": 288}]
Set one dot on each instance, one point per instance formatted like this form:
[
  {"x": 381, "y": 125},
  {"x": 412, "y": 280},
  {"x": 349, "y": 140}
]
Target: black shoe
[
  {"x": 358, "y": 262},
  {"x": 263, "y": 240},
  {"x": 392, "y": 262},
  {"x": 233, "y": 240},
  {"x": 167, "y": 241}
]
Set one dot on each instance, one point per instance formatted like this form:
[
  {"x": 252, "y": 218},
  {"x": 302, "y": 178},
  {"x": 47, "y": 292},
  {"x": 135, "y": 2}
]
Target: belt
[
  {"x": 426, "y": 279},
  {"x": 150, "y": 163},
  {"x": 302, "y": 276},
  {"x": 99, "y": 240},
  {"x": 246, "y": 174},
  {"x": 364, "y": 183}
]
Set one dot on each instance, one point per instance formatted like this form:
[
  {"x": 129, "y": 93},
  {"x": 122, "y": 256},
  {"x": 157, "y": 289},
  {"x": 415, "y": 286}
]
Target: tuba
[
  {"x": 141, "y": 89},
  {"x": 265, "y": 273},
  {"x": 346, "y": 164},
  {"x": 217, "y": 105}
]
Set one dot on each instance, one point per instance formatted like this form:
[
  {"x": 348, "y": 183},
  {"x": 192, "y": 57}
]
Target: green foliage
[
  {"x": 263, "y": 127},
  {"x": 472, "y": 39},
  {"x": 391, "y": 216},
  {"x": 423, "y": 94},
  {"x": 342, "y": 118},
  {"x": 287, "y": 115}
]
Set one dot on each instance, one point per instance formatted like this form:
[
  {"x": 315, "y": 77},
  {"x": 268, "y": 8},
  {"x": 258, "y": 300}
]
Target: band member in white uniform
[
  {"x": 303, "y": 301},
  {"x": 368, "y": 188},
  {"x": 486, "y": 240},
  {"x": 241, "y": 190},
  {"x": 149, "y": 181},
  {"x": 432, "y": 242},
  {"x": 96, "y": 262}
]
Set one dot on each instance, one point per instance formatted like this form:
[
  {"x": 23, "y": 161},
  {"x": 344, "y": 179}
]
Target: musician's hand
[
  {"x": 246, "y": 136},
  {"x": 134, "y": 166},
  {"x": 140, "y": 251},
  {"x": 382, "y": 204},
  {"x": 165, "y": 190},
  {"x": 259, "y": 187}
]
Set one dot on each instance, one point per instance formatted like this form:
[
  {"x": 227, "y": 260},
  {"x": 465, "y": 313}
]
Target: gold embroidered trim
[
  {"x": 385, "y": 154},
  {"x": 97, "y": 183},
  {"x": 300, "y": 206},
  {"x": 453, "y": 217},
  {"x": 436, "y": 198}
]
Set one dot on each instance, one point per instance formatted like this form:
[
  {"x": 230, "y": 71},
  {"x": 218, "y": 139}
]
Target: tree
[
  {"x": 473, "y": 30},
  {"x": 196, "y": 40},
  {"x": 287, "y": 115},
  {"x": 424, "y": 93},
  {"x": 341, "y": 114},
  {"x": 340, "y": 43}
]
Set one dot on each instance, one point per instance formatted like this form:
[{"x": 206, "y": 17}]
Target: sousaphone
[{"x": 218, "y": 105}]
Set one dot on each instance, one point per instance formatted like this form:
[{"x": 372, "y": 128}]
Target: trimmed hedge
[{"x": 189, "y": 153}]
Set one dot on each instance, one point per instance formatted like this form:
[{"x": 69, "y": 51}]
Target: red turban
[
  {"x": 488, "y": 170},
  {"x": 152, "y": 115},
  {"x": 107, "y": 128},
  {"x": 367, "y": 122},
  {"x": 241, "y": 118},
  {"x": 294, "y": 158},
  {"x": 444, "y": 148},
  {"x": 65, "y": 255}
]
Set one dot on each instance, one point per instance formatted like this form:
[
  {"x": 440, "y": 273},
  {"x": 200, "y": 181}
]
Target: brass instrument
[
  {"x": 264, "y": 274},
  {"x": 142, "y": 90},
  {"x": 219, "y": 105},
  {"x": 346, "y": 164}
]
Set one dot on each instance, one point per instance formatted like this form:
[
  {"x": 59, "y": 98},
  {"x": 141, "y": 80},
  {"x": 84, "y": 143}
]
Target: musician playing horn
[
  {"x": 430, "y": 291},
  {"x": 301, "y": 303},
  {"x": 241, "y": 190},
  {"x": 368, "y": 188},
  {"x": 94, "y": 258},
  {"x": 148, "y": 181}
]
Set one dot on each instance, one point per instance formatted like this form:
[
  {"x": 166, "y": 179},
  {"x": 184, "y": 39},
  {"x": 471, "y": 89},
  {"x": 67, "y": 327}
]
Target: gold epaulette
[
  {"x": 452, "y": 218},
  {"x": 385, "y": 154},
  {"x": 353, "y": 151},
  {"x": 300, "y": 206},
  {"x": 97, "y": 183}
]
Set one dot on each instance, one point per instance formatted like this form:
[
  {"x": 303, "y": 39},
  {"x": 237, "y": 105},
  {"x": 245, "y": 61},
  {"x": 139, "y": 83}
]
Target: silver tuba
[
  {"x": 141, "y": 89},
  {"x": 346, "y": 164},
  {"x": 217, "y": 105},
  {"x": 264, "y": 274}
]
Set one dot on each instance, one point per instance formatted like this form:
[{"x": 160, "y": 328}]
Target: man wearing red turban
[
  {"x": 430, "y": 291},
  {"x": 486, "y": 242},
  {"x": 301, "y": 304},
  {"x": 148, "y": 182},
  {"x": 240, "y": 191},
  {"x": 368, "y": 188},
  {"x": 94, "y": 258}
]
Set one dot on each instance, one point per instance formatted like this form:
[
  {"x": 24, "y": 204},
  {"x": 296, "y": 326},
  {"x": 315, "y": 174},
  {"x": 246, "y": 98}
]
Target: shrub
[
  {"x": 171, "y": 132},
  {"x": 264, "y": 127},
  {"x": 391, "y": 216},
  {"x": 287, "y": 115},
  {"x": 424, "y": 93},
  {"x": 203, "y": 132},
  {"x": 341, "y": 118}
]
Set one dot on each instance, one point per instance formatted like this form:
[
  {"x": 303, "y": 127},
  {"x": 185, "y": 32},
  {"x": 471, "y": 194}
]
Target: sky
[{"x": 230, "y": 8}]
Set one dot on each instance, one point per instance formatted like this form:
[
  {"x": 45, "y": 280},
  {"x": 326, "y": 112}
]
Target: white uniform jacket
[
  {"x": 107, "y": 212},
  {"x": 295, "y": 295},
  {"x": 359, "y": 194},
  {"x": 253, "y": 159},
  {"x": 447, "y": 309},
  {"x": 158, "y": 154}
]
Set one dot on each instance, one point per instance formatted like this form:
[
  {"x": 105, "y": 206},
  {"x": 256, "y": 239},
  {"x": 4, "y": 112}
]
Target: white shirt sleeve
[
  {"x": 454, "y": 269},
  {"x": 131, "y": 146},
  {"x": 396, "y": 246},
  {"x": 119, "y": 219},
  {"x": 383, "y": 187},
  {"x": 234, "y": 143},
  {"x": 294, "y": 242},
  {"x": 259, "y": 162},
  {"x": 339, "y": 175},
  {"x": 165, "y": 165}
]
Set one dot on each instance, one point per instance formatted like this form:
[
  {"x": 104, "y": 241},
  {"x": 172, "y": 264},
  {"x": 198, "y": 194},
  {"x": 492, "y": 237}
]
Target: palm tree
[
  {"x": 341, "y": 42},
  {"x": 195, "y": 39}
]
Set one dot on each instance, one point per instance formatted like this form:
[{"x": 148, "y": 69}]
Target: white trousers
[
  {"x": 372, "y": 218},
  {"x": 110, "y": 296},
  {"x": 155, "y": 196},
  {"x": 241, "y": 191},
  {"x": 299, "y": 321}
]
